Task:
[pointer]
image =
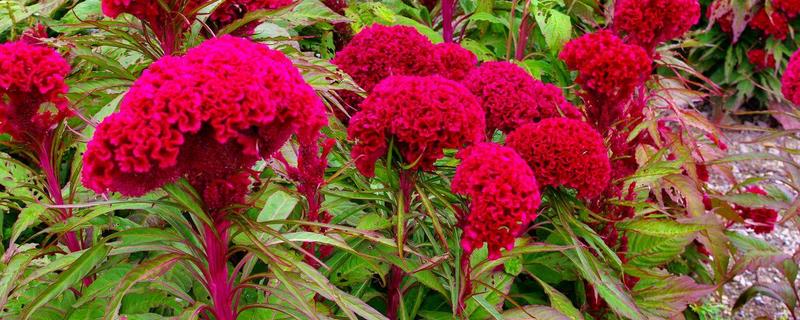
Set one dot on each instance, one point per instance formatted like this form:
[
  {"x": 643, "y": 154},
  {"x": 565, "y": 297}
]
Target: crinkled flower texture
[
  {"x": 564, "y": 152},
  {"x": 503, "y": 196},
  {"x": 232, "y": 10},
  {"x": 206, "y": 116},
  {"x": 774, "y": 25},
  {"x": 609, "y": 70},
  {"x": 31, "y": 90},
  {"x": 790, "y": 7},
  {"x": 511, "y": 97},
  {"x": 760, "y": 220},
  {"x": 761, "y": 59},
  {"x": 422, "y": 116},
  {"x": 790, "y": 83},
  {"x": 648, "y": 23},
  {"x": 452, "y": 61}
]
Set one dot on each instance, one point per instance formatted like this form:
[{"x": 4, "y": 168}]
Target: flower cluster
[
  {"x": 774, "y": 24},
  {"x": 420, "y": 115},
  {"x": 760, "y": 220},
  {"x": 790, "y": 83},
  {"x": 378, "y": 52},
  {"x": 453, "y": 61},
  {"x": 648, "y": 23},
  {"x": 761, "y": 59},
  {"x": 31, "y": 82},
  {"x": 206, "y": 116},
  {"x": 503, "y": 196},
  {"x": 233, "y": 10},
  {"x": 564, "y": 152},
  {"x": 511, "y": 97},
  {"x": 608, "y": 72}
]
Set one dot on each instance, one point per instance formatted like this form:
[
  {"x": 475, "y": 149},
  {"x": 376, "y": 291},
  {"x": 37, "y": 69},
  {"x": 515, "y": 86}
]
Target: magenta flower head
[
  {"x": 452, "y": 61},
  {"x": 648, "y": 23},
  {"x": 511, "y": 97},
  {"x": 608, "y": 72},
  {"x": 31, "y": 90},
  {"x": 422, "y": 116},
  {"x": 206, "y": 116},
  {"x": 378, "y": 52},
  {"x": 564, "y": 152},
  {"x": 503, "y": 196},
  {"x": 232, "y": 10},
  {"x": 790, "y": 84}
]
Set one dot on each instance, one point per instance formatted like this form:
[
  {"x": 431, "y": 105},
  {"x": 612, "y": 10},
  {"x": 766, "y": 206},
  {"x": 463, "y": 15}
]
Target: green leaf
[
  {"x": 80, "y": 269},
  {"x": 147, "y": 270},
  {"x": 667, "y": 298},
  {"x": 557, "y": 30},
  {"x": 278, "y": 206},
  {"x": 28, "y": 217},
  {"x": 488, "y": 307},
  {"x": 560, "y": 302},
  {"x": 536, "y": 312}
]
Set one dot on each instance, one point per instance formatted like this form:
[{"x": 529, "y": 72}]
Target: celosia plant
[
  {"x": 168, "y": 19},
  {"x": 564, "y": 152},
  {"x": 420, "y": 116},
  {"x": 774, "y": 25},
  {"x": 648, "y": 23},
  {"x": 608, "y": 72},
  {"x": 760, "y": 220},
  {"x": 790, "y": 7},
  {"x": 453, "y": 61},
  {"x": 511, "y": 97},
  {"x": 207, "y": 117},
  {"x": 761, "y": 59},
  {"x": 791, "y": 80}
]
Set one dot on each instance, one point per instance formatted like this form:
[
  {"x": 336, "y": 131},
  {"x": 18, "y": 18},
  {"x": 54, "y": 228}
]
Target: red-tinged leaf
[
  {"x": 534, "y": 312},
  {"x": 669, "y": 297},
  {"x": 688, "y": 188},
  {"x": 755, "y": 253},
  {"x": 756, "y": 290}
]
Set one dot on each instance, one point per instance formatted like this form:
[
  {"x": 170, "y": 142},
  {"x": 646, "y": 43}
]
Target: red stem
[
  {"x": 524, "y": 33},
  {"x": 396, "y": 275},
  {"x": 218, "y": 285},
  {"x": 448, "y": 9},
  {"x": 466, "y": 287}
]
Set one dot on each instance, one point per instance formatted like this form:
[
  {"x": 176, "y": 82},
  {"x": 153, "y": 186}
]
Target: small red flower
[
  {"x": 790, "y": 7},
  {"x": 761, "y": 59},
  {"x": 608, "y": 72},
  {"x": 774, "y": 25},
  {"x": 206, "y": 116},
  {"x": 511, "y": 97},
  {"x": 790, "y": 83},
  {"x": 760, "y": 220},
  {"x": 564, "y": 152},
  {"x": 31, "y": 90},
  {"x": 421, "y": 116},
  {"x": 648, "y": 23},
  {"x": 503, "y": 196}
]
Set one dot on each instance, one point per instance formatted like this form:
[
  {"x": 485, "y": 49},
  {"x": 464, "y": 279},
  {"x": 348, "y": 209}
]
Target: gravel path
[{"x": 786, "y": 237}]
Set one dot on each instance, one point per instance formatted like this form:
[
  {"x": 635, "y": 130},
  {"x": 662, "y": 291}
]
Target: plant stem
[
  {"x": 219, "y": 287},
  {"x": 466, "y": 286},
  {"x": 54, "y": 188},
  {"x": 448, "y": 9},
  {"x": 396, "y": 274}
]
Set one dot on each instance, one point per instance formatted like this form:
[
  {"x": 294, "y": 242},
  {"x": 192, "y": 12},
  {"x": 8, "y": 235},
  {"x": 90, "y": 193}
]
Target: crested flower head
[
  {"x": 648, "y": 23},
  {"x": 378, "y": 52},
  {"x": 206, "y": 116},
  {"x": 420, "y": 116},
  {"x": 503, "y": 196},
  {"x": 31, "y": 89},
  {"x": 564, "y": 152},
  {"x": 511, "y": 97},
  {"x": 453, "y": 61},
  {"x": 790, "y": 84},
  {"x": 609, "y": 70}
]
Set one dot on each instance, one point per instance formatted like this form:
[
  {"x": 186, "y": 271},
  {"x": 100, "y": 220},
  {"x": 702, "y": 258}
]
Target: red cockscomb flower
[
  {"x": 564, "y": 152},
  {"x": 774, "y": 25},
  {"x": 648, "y": 23},
  {"x": 511, "y": 97},
  {"x": 761, "y": 59},
  {"x": 760, "y": 220},
  {"x": 608, "y": 72},
  {"x": 31, "y": 89},
  {"x": 790, "y": 83},
  {"x": 420, "y": 115},
  {"x": 503, "y": 196},
  {"x": 790, "y": 7},
  {"x": 206, "y": 116},
  {"x": 233, "y": 10},
  {"x": 378, "y": 52},
  {"x": 452, "y": 61}
]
